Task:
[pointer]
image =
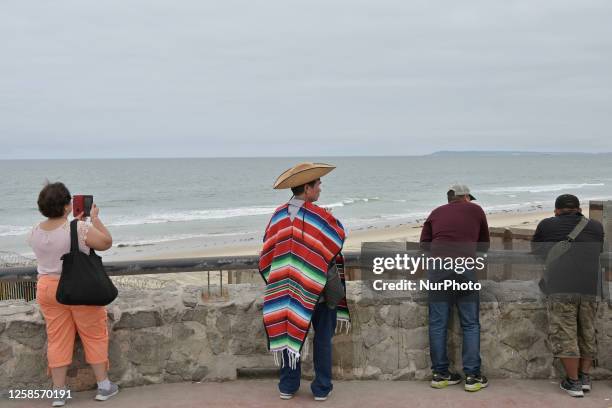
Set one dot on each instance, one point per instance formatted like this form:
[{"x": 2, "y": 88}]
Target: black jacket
[{"x": 578, "y": 270}]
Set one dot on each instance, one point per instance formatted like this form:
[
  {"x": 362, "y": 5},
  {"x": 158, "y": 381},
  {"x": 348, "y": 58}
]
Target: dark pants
[
  {"x": 324, "y": 325},
  {"x": 439, "y": 315}
]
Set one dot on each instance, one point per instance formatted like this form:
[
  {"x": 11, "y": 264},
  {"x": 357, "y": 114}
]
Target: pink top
[{"x": 49, "y": 246}]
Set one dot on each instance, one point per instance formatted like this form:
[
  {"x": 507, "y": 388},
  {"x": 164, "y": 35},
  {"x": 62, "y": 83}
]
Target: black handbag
[{"x": 84, "y": 280}]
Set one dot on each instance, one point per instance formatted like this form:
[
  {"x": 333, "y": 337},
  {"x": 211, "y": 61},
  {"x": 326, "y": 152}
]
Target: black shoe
[
  {"x": 285, "y": 396},
  {"x": 444, "y": 380},
  {"x": 475, "y": 383},
  {"x": 585, "y": 379},
  {"x": 572, "y": 387}
]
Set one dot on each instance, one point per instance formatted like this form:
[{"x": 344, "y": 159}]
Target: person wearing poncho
[{"x": 302, "y": 266}]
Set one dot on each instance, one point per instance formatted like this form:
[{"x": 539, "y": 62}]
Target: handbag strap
[{"x": 74, "y": 238}]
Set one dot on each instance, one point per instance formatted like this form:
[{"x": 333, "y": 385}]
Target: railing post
[
  {"x": 602, "y": 212},
  {"x": 508, "y": 240},
  {"x": 607, "y": 224}
]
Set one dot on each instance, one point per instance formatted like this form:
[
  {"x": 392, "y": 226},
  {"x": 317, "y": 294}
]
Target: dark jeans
[
  {"x": 324, "y": 325},
  {"x": 439, "y": 314}
]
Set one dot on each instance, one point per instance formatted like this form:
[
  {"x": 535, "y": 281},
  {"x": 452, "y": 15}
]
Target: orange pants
[{"x": 64, "y": 321}]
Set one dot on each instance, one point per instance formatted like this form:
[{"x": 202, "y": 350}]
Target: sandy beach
[{"x": 388, "y": 233}]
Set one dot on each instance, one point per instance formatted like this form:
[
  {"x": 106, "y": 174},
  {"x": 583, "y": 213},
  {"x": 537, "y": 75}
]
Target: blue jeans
[
  {"x": 324, "y": 325},
  {"x": 439, "y": 314}
]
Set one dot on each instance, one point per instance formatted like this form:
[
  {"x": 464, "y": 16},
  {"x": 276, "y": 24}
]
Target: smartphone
[{"x": 82, "y": 204}]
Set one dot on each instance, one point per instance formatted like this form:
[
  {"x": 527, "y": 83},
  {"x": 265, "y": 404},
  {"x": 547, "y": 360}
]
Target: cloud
[{"x": 260, "y": 78}]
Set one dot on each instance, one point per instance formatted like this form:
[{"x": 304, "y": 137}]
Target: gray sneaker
[
  {"x": 58, "y": 402},
  {"x": 572, "y": 387},
  {"x": 60, "y": 399},
  {"x": 103, "y": 395},
  {"x": 585, "y": 379}
]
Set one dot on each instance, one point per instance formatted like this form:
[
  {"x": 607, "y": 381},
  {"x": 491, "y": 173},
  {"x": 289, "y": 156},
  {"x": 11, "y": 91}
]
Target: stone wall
[{"x": 170, "y": 334}]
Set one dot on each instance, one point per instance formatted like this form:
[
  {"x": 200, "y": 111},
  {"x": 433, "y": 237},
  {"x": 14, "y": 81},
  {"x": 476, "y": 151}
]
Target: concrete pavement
[{"x": 350, "y": 394}]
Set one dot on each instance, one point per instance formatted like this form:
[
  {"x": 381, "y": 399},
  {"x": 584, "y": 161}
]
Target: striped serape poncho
[{"x": 294, "y": 262}]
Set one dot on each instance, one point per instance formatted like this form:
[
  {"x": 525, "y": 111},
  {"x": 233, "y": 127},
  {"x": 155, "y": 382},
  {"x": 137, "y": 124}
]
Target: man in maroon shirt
[
  {"x": 458, "y": 229},
  {"x": 458, "y": 221}
]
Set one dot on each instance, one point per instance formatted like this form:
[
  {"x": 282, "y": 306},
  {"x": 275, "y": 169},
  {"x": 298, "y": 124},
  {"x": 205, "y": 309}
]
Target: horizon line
[{"x": 437, "y": 152}]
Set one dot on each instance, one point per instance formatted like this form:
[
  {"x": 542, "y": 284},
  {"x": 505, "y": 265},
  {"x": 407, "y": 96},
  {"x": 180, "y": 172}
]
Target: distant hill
[{"x": 505, "y": 153}]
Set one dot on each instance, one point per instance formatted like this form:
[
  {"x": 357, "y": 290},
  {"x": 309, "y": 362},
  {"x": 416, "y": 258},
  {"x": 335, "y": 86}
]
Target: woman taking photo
[{"x": 50, "y": 240}]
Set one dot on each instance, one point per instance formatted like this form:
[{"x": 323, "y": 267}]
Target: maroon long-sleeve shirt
[{"x": 457, "y": 222}]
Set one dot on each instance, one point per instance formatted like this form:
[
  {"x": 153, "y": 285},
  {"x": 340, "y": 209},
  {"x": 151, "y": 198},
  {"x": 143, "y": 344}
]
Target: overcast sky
[{"x": 152, "y": 78}]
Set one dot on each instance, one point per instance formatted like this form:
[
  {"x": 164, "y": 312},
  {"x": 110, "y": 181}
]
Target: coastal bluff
[{"x": 173, "y": 333}]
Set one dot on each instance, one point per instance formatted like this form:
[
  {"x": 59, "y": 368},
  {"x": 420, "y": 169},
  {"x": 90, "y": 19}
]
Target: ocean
[{"x": 225, "y": 201}]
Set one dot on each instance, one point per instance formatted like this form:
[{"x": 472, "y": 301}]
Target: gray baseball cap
[{"x": 460, "y": 189}]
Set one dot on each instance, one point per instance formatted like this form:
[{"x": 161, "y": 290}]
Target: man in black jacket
[{"x": 572, "y": 283}]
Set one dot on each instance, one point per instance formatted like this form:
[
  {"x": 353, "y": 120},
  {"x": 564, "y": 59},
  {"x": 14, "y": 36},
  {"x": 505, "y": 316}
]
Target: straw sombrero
[{"x": 301, "y": 174}]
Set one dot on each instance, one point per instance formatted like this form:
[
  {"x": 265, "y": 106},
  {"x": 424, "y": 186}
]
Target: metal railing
[
  {"x": 17, "y": 290},
  {"x": 19, "y": 282}
]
